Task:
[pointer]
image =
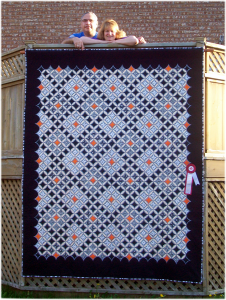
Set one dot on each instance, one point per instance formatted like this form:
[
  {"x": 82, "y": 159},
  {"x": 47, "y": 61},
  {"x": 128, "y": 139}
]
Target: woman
[{"x": 109, "y": 33}]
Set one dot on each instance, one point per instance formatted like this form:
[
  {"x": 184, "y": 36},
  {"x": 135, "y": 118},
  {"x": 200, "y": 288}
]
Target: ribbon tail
[
  {"x": 195, "y": 177},
  {"x": 188, "y": 184}
]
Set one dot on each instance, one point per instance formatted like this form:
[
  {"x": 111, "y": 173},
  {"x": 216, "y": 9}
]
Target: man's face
[{"x": 89, "y": 25}]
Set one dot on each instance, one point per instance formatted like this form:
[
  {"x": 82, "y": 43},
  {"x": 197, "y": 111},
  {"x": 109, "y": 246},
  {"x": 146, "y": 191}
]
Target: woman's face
[{"x": 109, "y": 34}]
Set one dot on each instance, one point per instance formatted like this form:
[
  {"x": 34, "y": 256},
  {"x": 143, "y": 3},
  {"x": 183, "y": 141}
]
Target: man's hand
[
  {"x": 76, "y": 41},
  {"x": 141, "y": 40}
]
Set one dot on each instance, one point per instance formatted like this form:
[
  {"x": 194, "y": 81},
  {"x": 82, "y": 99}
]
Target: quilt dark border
[{"x": 124, "y": 269}]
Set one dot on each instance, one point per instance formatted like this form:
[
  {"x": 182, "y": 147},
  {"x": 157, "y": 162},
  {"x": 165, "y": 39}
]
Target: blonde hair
[{"x": 109, "y": 23}]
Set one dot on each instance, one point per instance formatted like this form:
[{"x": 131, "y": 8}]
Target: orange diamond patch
[
  {"x": 39, "y": 161},
  {"x": 149, "y": 87},
  {"x": 94, "y": 69},
  {"x": 148, "y": 200},
  {"x": 186, "y": 201},
  {"x": 74, "y": 199},
  {"x": 58, "y": 69},
  {"x": 111, "y": 237},
  {"x": 93, "y": 143},
  {"x": 38, "y": 236},
  {"x": 167, "y": 181},
  {"x": 111, "y": 162},
  {"x": 111, "y": 199},
  {"x": 148, "y": 238},
  {"x": 94, "y": 106},
  {"x": 130, "y": 180},
  {"x": 186, "y": 86},
  {"x": 39, "y": 123},
  {"x": 186, "y": 240},
  {"x": 38, "y": 198},
  {"x": 74, "y": 237},
  {"x": 166, "y": 258},
  {"x": 129, "y": 257},
  {"x": 149, "y": 162},
  {"x": 186, "y": 162},
  {"x": 129, "y": 218}
]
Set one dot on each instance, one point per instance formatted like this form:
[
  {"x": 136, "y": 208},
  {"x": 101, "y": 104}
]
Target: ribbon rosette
[{"x": 190, "y": 176}]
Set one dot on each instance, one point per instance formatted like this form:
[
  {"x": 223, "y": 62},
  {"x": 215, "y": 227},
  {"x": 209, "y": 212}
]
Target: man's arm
[{"x": 76, "y": 41}]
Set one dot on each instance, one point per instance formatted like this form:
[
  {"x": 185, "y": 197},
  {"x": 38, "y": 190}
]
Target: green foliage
[{"x": 9, "y": 292}]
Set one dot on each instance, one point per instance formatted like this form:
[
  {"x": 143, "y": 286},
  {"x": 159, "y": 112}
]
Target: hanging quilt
[{"x": 113, "y": 169}]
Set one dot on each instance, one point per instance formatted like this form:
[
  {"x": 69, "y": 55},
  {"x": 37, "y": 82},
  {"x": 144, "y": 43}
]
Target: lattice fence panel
[
  {"x": 13, "y": 66},
  {"x": 216, "y": 228},
  {"x": 114, "y": 286},
  {"x": 11, "y": 230},
  {"x": 216, "y": 62}
]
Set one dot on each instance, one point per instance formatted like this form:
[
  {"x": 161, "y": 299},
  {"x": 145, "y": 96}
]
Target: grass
[{"x": 9, "y": 292}]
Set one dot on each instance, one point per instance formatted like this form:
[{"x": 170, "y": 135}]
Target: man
[{"x": 89, "y": 25}]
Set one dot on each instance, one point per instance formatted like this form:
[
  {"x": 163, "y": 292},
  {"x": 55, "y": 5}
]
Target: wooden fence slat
[
  {"x": 6, "y": 72},
  {"x": 215, "y": 243},
  {"x": 216, "y": 274},
  {"x": 219, "y": 188},
  {"x": 219, "y": 263},
  {"x": 12, "y": 119},
  {"x": 220, "y": 57},
  {"x": 11, "y": 210},
  {"x": 9, "y": 68},
  {"x": 211, "y": 65},
  {"x": 214, "y": 63},
  {"x": 217, "y": 62},
  {"x": 13, "y": 68},
  {"x": 19, "y": 121},
  {"x": 218, "y": 219},
  {"x": 16, "y": 62}
]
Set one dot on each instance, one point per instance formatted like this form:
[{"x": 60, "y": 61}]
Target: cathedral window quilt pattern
[{"x": 113, "y": 164}]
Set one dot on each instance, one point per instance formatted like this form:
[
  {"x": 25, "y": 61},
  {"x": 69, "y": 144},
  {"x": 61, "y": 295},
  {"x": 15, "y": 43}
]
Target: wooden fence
[{"x": 13, "y": 70}]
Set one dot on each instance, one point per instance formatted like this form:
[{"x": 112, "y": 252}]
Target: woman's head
[{"x": 109, "y": 31}]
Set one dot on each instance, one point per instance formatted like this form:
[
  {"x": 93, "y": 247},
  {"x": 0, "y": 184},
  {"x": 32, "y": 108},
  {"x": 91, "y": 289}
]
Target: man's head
[{"x": 89, "y": 24}]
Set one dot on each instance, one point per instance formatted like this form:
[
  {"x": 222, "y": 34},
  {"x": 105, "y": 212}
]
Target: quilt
[{"x": 113, "y": 164}]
